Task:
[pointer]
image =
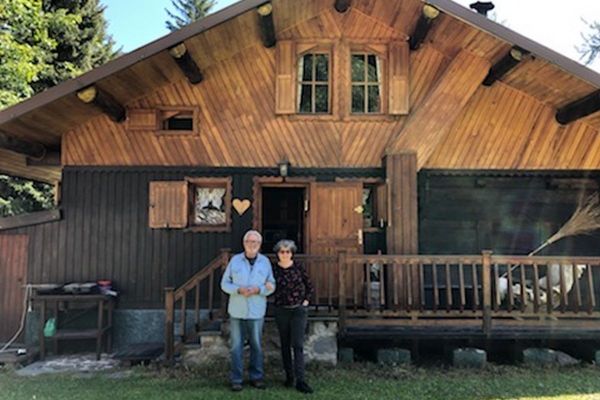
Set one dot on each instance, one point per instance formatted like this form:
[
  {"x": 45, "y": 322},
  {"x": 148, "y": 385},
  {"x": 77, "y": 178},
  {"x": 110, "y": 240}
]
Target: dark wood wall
[
  {"x": 104, "y": 231},
  {"x": 506, "y": 213}
]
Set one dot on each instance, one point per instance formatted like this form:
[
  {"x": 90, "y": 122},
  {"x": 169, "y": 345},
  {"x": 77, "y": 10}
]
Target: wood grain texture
[
  {"x": 16, "y": 165},
  {"x": 428, "y": 125},
  {"x": 13, "y": 275}
]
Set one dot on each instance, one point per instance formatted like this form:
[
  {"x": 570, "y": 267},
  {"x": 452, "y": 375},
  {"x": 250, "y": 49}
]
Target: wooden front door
[
  {"x": 13, "y": 275},
  {"x": 336, "y": 225}
]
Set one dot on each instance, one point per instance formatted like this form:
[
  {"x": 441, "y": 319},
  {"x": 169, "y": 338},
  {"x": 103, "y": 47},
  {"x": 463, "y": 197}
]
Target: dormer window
[
  {"x": 366, "y": 83},
  {"x": 313, "y": 83}
]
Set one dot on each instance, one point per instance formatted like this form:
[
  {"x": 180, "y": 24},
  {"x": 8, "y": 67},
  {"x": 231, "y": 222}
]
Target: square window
[
  {"x": 177, "y": 120},
  {"x": 210, "y": 200}
]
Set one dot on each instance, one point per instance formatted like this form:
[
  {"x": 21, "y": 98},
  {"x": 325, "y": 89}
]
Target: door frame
[{"x": 261, "y": 182}]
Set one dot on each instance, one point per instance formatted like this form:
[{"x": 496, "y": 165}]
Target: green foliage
[
  {"x": 591, "y": 43},
  {"x": 44, "y": 42},
  {"x": 186, "y": 12},
  {"x": 19, "y": 196}
]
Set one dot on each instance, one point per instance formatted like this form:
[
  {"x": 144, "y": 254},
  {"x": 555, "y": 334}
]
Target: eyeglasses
[
  {"x": 251, "y": 241},
  {"x": 285, "y": 251}
]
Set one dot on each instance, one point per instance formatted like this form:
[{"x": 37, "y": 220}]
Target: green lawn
[{"x": 359, "y": 381}]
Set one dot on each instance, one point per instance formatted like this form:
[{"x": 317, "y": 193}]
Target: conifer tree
[{"x": 186, "y": 12}]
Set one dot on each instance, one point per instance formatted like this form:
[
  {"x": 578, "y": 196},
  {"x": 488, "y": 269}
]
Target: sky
[{"x": 556, "y": 24}]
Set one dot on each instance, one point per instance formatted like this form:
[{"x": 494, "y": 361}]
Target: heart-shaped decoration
[{"x": 241, "y": 205}]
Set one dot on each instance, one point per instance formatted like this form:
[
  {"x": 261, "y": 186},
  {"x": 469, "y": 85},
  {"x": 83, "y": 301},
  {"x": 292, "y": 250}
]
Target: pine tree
[
  {"x": 81, "y": 46},
  {"x": 42, "y": 43},
  {"x": 186, "y": 12},
  {"x": 590, "y": 48}
]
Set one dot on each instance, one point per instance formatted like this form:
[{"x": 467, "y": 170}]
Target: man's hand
[{"x": 243, "y": 291}]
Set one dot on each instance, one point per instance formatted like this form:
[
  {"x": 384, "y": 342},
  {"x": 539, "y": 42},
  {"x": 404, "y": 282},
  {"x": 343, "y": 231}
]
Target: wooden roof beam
[
  {"x": 267, "y": 27},
  {"x": 504, "y": 65},
  {"x": 102, "y": 100},
  {"x": 29, "y": 149},
  {"x": 186, "y": 63},
  {"x": 424, "y": 24},
  {"x": 342, "y": 5},
  {"x": 579, "y": 108},
  {"x": 50, "y": 159}
]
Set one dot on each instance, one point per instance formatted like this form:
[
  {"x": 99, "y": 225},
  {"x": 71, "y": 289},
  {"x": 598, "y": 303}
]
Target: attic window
[
  {"x": 366, "y": 83},
  {"x": 178, "y": 120}
]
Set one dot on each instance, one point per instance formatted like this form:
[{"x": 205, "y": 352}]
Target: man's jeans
[{"x": 240, "y": 331}]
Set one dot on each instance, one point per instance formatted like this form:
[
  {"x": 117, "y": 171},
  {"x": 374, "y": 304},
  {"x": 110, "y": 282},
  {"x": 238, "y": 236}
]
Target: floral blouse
[{"x": 292, "y": 285}]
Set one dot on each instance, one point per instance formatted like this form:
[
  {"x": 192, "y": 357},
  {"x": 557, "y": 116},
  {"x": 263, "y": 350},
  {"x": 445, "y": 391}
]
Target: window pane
[
  {"x": 358, "y": 99},
  {"x": 210, "y": 206},
  {"x": 322, "y": 61},
  {"x": 374, "y": 102},
  {"x": 321, "y": 98},
  {"x": 372, "y": 70},
  {"x": 358, "y": 68},
  {"x": 306, "y": 99},
  {"x": 307, "y": 67}
]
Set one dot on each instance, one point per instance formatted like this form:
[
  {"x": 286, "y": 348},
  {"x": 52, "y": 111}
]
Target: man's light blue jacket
[{"x": 239, "y": 273}]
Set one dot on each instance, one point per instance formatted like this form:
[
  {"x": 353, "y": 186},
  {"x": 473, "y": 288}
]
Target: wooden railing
[
  {"x": 484, "y": 287},
  {"x": 198, "y": 287}
]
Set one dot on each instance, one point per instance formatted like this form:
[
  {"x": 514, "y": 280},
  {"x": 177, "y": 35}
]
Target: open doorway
[{"x": 283, "y": 216}]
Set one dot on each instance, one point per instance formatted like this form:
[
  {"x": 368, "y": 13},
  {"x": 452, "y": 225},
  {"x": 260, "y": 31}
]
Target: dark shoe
[
  {"x": 303, "y": 387},
  {"x": 289, "y": 382},
  {"x": 236, "y": 387},
  {"x": 258, "y": 385}
]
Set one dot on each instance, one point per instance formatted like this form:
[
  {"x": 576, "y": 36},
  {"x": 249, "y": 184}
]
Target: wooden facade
[{"x": 452, "y": 166}]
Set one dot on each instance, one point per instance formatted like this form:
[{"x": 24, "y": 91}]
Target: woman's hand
[
  {"x": 305, "y": 303},
  {"x": 269, "y": 286}
]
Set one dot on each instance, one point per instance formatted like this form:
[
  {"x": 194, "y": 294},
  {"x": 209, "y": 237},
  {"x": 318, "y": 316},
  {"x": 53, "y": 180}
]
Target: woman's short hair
[{"x": 285, "y": 244}]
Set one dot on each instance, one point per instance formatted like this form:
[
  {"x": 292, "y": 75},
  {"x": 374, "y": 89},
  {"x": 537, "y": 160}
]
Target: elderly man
[{"x": 248, "y": 280}]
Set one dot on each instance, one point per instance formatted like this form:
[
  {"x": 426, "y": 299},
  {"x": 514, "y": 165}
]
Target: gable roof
[{"x": 33, "y": 118}]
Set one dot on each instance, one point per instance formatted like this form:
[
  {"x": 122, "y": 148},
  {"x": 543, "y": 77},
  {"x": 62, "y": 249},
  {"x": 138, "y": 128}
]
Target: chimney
[{"x": 482, "y": 7}]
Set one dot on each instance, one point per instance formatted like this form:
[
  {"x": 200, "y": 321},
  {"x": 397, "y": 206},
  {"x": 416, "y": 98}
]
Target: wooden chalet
[{"x": 416, "y": 151}]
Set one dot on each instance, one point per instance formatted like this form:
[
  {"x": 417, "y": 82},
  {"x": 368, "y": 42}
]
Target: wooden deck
[{"x": 426, "y": 297}]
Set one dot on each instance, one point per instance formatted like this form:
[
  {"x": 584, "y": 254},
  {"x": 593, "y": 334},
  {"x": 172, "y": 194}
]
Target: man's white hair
[{"x": 253, "y": 232}]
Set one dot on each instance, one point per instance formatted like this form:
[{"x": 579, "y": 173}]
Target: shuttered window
[{"x": 197, "y": 204}]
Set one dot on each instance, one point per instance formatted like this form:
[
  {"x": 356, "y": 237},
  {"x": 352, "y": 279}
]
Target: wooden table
[{"x": 103, "y": 329}]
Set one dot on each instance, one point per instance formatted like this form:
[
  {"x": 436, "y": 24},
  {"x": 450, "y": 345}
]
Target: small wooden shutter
[
  {"x": 168, "y": 206},
  {"x": 142, "y": 120},
  {"x": 399, "y": 89},
  {"x": 285, "y": 87}
]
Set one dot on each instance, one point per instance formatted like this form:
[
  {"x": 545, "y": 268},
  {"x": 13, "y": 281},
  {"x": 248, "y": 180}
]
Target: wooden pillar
[
  {"x": 169, "y": 324},
  {"x": 403, "y": 224}
]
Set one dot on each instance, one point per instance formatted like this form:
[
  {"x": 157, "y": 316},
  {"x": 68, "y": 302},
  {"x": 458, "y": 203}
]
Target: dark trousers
[{"x": 291, "y": 323}]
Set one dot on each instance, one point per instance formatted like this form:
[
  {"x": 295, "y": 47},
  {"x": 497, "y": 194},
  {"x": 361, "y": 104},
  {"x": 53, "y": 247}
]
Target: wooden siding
[
  {"x": 239, "y": 39},
  {"x": 426, "y": 127},
  {"x": 512, "y": 213},
  {"x": 104, "y": 231},
  {"x": 13, "y": 276},
  {"x": 502, "y": 128}
]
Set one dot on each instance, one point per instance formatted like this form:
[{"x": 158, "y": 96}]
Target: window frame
[
  {"x": 160, "y": 119},
  {"x": 303, "y": 49},
  {"x": 221, "y": 182},
  {"x": 380, "y": 51}
]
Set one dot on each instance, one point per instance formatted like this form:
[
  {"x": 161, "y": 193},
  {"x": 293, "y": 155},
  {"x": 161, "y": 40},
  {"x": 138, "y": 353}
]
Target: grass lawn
[{"x": 359, "y": 381}]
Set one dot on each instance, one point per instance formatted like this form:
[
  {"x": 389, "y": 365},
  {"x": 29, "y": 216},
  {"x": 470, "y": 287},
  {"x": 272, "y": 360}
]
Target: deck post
[
  {"x": 342, "y": 291},
  {"x": 486, "y": 290},
  {"x": 225, "y": 256},
  {"x": 169, "y": 324}
]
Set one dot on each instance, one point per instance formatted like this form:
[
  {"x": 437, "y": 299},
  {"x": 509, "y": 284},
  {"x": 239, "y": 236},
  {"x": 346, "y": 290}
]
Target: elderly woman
[{"x": 292, "y": 297}]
